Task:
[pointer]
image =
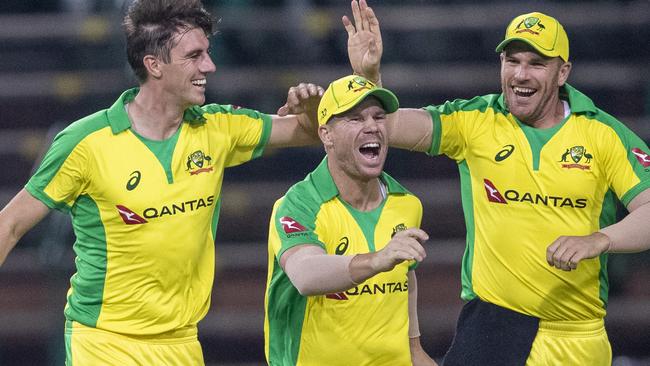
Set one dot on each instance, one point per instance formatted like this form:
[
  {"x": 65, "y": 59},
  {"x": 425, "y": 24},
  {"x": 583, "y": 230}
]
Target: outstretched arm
[
  {"x": 314, "y": 272},
  {"x": 364, "y": 41},
  {"x": 630, "y": 235},
  {"x": 21, "y": 214},
  {"x": 419, "y": 356},
  {"x": 410, "y": 129},
  {"x": 296, "y": 123}
]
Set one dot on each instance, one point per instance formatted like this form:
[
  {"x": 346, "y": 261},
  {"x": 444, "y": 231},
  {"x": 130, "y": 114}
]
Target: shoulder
[
  {"x": 303, "y": 196},
  {"x": 229, "y": 109},
  {"x": 77, "y": 131},
  {"x": 478, "y": 103}
]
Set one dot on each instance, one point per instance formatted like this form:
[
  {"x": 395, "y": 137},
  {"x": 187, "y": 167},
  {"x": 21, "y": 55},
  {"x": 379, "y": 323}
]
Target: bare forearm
[
  {"x": 632, "y": 234},
  {"x": 313, "y": 272},
  {"x": 8, "y": 240},
  {"x": 20, "y": 215}
]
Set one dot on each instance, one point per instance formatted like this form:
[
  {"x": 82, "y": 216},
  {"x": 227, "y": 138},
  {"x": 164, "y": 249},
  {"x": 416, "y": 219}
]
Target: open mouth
[
  {"x": 523, "y": 92},
  {"x": 370, "y": 150},
  {"x": 199, "y": 82}
]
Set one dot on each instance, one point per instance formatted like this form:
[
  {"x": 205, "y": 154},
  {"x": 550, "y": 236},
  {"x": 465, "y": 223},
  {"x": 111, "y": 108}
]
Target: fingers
[
  {"x": 564, "y": 253},
  {"x": 349, "y": 27},
  {"x": 356, "y": 14},
  {"x": 299, "y": 97},
  {"x": 373, "y": 22},
  {"x": 416, "y": 233},
  {"x": 407, "y": 244},
  {"x": 283, "y": 111},
  {"x": 363, "y": 7}
]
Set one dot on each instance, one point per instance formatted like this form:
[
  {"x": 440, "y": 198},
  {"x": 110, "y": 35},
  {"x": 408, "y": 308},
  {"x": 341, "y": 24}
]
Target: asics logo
[{"x": 504, "y": 153}]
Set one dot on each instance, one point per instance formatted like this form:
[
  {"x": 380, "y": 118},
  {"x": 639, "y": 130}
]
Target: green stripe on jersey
[
  {"x": 367, "y": 221},
  {"x": 85, "y": 299},
  {"x": 163, "y": 150},
  {"x": 538, "y": 137},
  {"x": 467, "y": 292},
  {"x": 281, "y": 291}
]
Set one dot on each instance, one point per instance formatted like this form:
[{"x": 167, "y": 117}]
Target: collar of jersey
[
  {"x": 578, "y": 102},
  {"x": 119, "y": 120},
  {"x": 324, "y": 183}
]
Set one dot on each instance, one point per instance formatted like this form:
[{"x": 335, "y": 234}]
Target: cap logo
[
  {"x": 358, "y": 84},
  {"x": 529, "y": 23}
]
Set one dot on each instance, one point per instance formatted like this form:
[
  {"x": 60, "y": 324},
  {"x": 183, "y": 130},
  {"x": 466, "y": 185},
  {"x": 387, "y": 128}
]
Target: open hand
[{"x": 364, "y": 41}]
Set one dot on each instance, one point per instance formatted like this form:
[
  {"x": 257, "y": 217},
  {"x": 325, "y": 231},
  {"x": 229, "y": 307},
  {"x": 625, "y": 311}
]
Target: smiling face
[
  {"x": 184, "y": 77},
  {"x": 356, "y": 140},
  {"x": 530, "y": 83}
]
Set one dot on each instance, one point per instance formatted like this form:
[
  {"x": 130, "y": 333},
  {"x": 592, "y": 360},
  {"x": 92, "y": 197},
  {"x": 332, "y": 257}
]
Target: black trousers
[{"x": 489, "y": 335}]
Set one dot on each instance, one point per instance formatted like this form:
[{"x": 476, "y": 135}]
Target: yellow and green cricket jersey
[
  {"x": 524, "y": 187},
  {"x": 365, "y": 325},
  {"x": 145, "y": 212}
]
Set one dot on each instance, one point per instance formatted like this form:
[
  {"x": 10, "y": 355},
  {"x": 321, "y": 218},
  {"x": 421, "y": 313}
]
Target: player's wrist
[{"x": 608, "y": 243}]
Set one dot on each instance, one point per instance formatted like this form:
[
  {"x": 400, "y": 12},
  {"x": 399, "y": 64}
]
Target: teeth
[
  {"x": 518, "y": 89},
  {"x": 199, "y": 82},
  {"x": 370, "y": 145}
]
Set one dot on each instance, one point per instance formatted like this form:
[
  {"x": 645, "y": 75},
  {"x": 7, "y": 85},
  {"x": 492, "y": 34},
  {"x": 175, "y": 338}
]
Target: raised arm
[
  {"x": 630, "y": 235},
  {"x": 364, "y": 41},
  {"x": 296, "y": 122},
  {"x": 410, "y": 129},
  {"x": 21, "y": 214},
  {"x": 314, "y": 272}
]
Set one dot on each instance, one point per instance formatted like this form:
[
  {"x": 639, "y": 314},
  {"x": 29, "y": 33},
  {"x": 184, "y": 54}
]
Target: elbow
[{"x": 303, "y": 289}]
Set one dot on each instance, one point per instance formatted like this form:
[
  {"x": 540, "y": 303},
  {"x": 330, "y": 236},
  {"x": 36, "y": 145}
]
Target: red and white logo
[
  {"x": 337, "y": 296},
  {"x": 493, "y": 194},
  {"x": 291, "y": 226},
  {"x": 130, "y": 217},
  {"x": 641, "y": 156}
]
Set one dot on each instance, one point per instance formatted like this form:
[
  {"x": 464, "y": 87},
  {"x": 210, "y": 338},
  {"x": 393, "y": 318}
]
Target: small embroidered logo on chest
[
  {"x": 579, "y": 158},
  {"x": 198, "y": 162},
  {"x": 398, "y": 228}
]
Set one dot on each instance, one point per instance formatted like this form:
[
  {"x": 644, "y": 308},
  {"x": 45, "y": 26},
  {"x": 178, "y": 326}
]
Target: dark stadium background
[{"x": 63, "y": 59}]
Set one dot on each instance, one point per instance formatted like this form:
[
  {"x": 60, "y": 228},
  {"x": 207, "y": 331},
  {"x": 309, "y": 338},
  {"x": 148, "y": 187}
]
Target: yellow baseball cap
[
  {"x": 345, "y": 93},
  {"x": 542, "y": 32}
]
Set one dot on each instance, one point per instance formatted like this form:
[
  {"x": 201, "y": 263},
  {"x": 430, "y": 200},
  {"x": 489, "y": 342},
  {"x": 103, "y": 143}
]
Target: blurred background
[{"x": 63, "y": 59}]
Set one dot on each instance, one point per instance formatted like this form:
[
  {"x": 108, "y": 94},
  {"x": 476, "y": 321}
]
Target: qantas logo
[
  {"x": 290, "y": 225},
  {"x": 641, "y": 156},
  {"x": 374, "y": 289},
  {"x": 493, "y": 194},
  {"x": 130, "y": 217}
]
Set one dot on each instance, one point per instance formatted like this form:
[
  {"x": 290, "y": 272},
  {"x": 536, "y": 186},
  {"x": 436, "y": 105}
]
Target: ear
[
  {"x": 563, "y": 73},
  {"x": 152, "y": 64},
  {"x": 325, "y": 136}
]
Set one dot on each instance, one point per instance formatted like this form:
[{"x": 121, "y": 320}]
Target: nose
[
  {"x": 521, "y": 73},
  {"x": 207, "y": 66},
  {"x": 370, "y": 125}
]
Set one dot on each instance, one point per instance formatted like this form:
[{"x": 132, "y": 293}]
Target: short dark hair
[{"x": 150, "y": 26}]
